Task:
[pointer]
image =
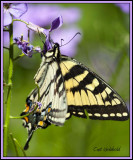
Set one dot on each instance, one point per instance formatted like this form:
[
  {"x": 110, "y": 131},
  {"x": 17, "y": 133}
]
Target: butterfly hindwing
[{"x": 87, "y": 91}]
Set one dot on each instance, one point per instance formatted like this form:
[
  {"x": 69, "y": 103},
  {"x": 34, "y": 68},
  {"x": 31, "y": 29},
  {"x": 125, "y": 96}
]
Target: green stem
[
  {"x": 38, "y": 91},
  {"x": 20, "y": 21},
  {"x": 26, "y": 115},
  {"x": 16, "y": 58},
  {"x": 6, "y": 30},
  {"x": 14, "y": 144},
  {"x": 15, "y": 140},
  {"x": 6, "y": 48},
  {"x": 10, "y": 73}
]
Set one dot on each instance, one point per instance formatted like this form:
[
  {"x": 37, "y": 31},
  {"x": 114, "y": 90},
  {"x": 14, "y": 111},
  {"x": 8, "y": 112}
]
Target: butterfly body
[{"x": 68, "y": 88}]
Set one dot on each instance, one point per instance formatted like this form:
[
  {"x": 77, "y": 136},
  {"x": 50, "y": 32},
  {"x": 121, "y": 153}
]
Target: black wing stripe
[
  {"x": 49, "y": 85},
  {"x": 100, "y": 112},
  {"x": 78, "y": 70},
  {"x": 55, "y": 122},
  {"x": 72, "y": 70},
  {"x": 46, "y": 92}
]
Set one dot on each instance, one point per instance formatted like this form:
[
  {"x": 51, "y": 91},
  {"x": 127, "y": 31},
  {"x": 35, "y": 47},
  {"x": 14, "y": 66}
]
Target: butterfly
[{"x": 65, "y": 88}]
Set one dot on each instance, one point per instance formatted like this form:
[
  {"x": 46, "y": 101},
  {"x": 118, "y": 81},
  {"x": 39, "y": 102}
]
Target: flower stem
[
  {"x": 20, "y": 21},
  {"x": 16, "y": 58},
  {"x": 26, "y": 115},
  {"x": 15, "y": 140},
  {"x": 14, "y": 144},
  {"x": 10, "y": 73},
  {"x": 6, "y": 48}
]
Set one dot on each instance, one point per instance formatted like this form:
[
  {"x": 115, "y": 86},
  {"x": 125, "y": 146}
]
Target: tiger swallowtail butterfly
[{"x": 68, "y": 88}]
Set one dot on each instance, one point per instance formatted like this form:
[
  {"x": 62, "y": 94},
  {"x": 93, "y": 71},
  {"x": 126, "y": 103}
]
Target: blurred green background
[{"x": 104, "y": 47}]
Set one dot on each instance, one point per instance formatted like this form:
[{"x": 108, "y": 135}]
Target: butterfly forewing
[{"x": 87, "y": 91}]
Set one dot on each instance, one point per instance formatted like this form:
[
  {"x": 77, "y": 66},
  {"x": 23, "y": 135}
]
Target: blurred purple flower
[
  {"x": 67, "y": 34},
  {"x": 13, "y": 9},
  {"x": 26, "y": 48},
  {"x": 43, "y": 16},
  {"x": 124, "y": 7},
  {"x": 48, "y": 13}
]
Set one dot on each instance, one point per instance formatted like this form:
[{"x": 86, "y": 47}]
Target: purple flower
[
  {"x": 43, "y": 16},
  {"x": 26, "y": 48},
  {"x": 55, "y": 24},
  {"x": 124, "y": 7},
  {"x": 67, "y": 34},
  {"x": 11, "y": 9},
  {"x": 39, "y": 104}
]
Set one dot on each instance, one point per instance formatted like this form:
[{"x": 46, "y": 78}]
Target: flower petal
[
  {"x": 56, "y": 23},
  {"x": 39, "y": 104},
  {"x": 124, "y": 7},
  {"x": 18, "y": 10},
  {"x": 29, "y": 50},
  {"x": 35, "y": 27},
  {"x": 7, "y": 18},
  {"x": 37, "y": 49},
  {"x": 46, "y": 32}
]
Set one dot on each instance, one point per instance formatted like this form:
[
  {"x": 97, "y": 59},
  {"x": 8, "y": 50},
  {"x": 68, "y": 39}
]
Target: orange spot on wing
[
  {"x": 40, "y": 123},
  {"x": 27, "y": 108},
  {"x": 26, "y": 119},
  {"x": 49, "y": 109}
]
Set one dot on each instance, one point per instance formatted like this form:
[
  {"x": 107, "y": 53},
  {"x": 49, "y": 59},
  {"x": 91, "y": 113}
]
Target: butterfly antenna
[
  {"x": 70, "y": 39},
  {"x": 62, "y": 41}
]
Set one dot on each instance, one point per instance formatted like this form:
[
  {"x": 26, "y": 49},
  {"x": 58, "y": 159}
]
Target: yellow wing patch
[
  {"x": 84, "y": 98},
  {"x": 77, "y": 98},
  {"x": 92, "y": 98},
  {"x": 81, "y": 76},
  {"x": 66, "y": 67},
  {"x": 70, "y": 98}
]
